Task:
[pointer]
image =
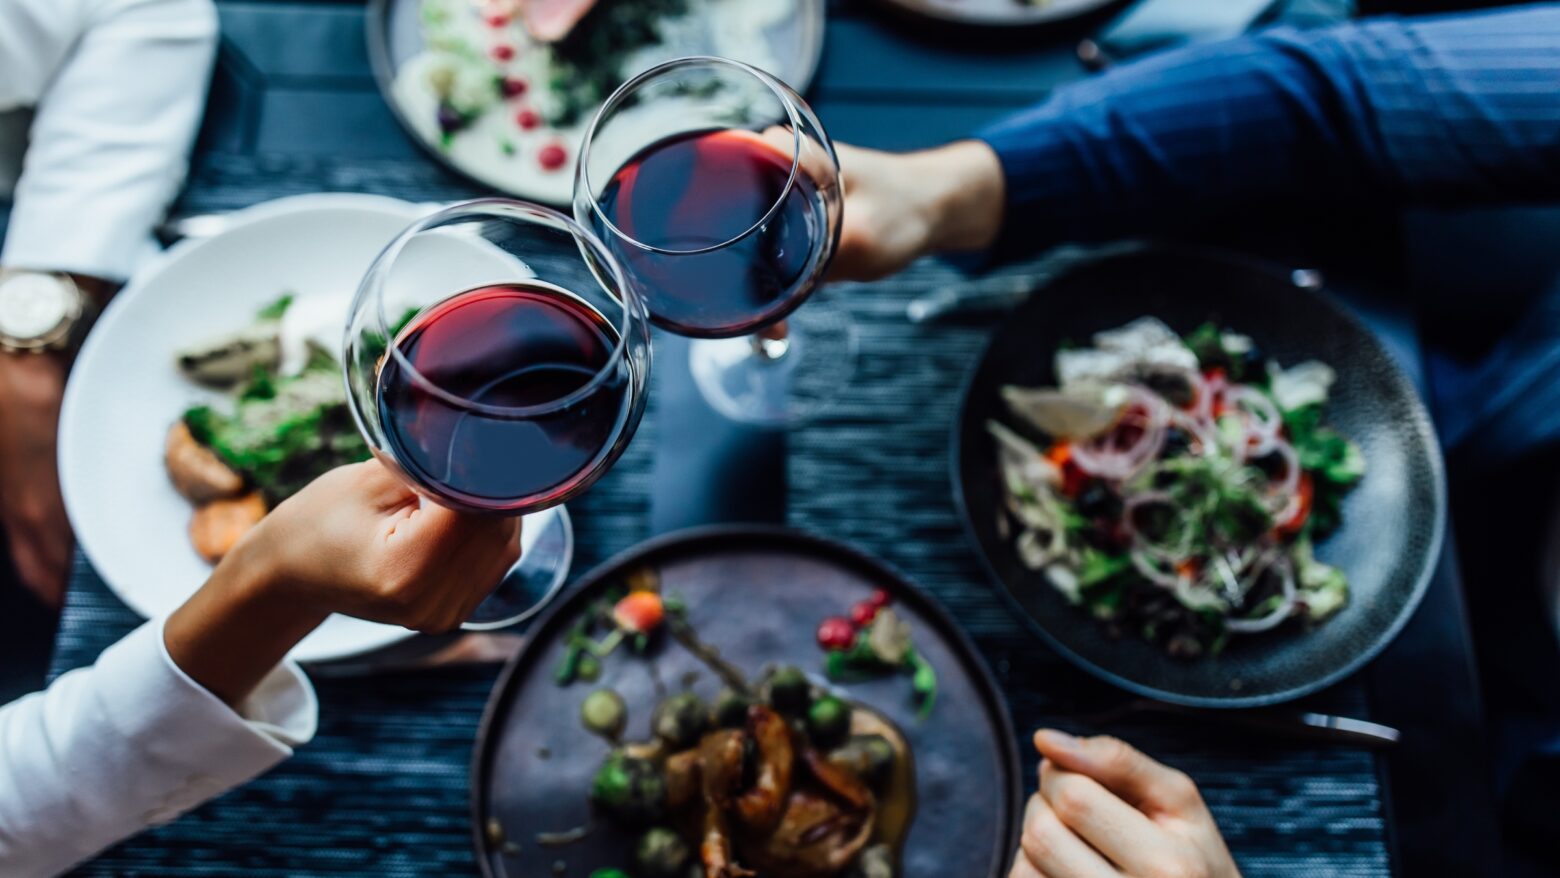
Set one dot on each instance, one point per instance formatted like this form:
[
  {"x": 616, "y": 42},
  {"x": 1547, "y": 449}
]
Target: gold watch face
[{"x": 36, "y": 310}]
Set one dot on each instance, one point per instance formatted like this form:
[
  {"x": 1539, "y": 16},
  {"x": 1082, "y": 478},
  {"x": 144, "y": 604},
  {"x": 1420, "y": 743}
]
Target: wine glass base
[
  {"x": 779, "y": 382},
  {"x": 537, "y": 578}
]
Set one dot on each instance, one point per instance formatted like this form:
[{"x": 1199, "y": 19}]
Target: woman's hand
[
  {"x": 355, "y": 541},
  {"x": 1104, "y": 809},
  {"x": 901, "y": 206}
]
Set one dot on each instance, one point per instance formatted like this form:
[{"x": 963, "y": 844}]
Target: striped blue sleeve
[{"x": 1452, "y": 109}]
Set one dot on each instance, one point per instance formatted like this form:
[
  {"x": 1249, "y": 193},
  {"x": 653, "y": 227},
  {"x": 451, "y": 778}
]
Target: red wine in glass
[
  {"x": 701, "y": 191},
  {"x": 511, "y": 349}
]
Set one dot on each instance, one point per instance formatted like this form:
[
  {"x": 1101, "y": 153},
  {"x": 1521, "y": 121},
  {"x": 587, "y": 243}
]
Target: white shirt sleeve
[
  {"x": 119, "y": 87},
  {"x": 129, "y": 743}
]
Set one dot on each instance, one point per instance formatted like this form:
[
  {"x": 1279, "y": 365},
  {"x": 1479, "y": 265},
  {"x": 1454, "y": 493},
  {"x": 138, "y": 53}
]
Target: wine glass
[
  {"x": 719, "y": 192},
  {"x": 497, "y": 360}
]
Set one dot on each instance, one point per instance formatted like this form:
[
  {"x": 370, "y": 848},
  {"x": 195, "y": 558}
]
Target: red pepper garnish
[
  {"x": 528, "y": 119},
  {"x": 881, "y": 597},
  {"x": 836, "y": 634},
  {"x": 1305, "y": 494},
  {"x": 503, "y": 53},
  {"x": 552, "y": 156}
]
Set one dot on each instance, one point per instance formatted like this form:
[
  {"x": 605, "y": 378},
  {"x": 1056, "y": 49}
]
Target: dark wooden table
[{"x": 294, "y": 108}]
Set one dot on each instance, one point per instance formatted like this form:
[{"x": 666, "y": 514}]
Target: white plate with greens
[{"x": 126, "y": 388}]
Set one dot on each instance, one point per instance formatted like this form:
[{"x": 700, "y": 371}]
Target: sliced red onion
[
  {"x": 1151, "y": 572},
  {"x": 1201, "y": 431},
  {"x": 1285, "y": 608},
  {"x": 1261, "y": 423},
  {"x": 1105, "y": 458},
  {"x": 1284, "y": 496}
]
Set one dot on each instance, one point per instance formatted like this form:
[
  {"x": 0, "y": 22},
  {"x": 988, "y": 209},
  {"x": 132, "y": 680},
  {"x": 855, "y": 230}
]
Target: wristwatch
[{"x": 40, "y": 312}]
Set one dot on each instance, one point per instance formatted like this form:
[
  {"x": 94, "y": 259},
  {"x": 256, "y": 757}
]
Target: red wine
[
  {"x": 505, "y": 346},
  {"x": 702, "y": 189}
]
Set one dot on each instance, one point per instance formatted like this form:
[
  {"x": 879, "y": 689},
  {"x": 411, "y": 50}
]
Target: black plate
[
  {"x": 1392, "y": 522},
  {"x": 997, "y": 13},
  {"x": 773, "y": 586},
  {"x": 394, "y": 33}
]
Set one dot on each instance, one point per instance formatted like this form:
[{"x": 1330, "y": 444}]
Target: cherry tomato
[
  {"x": 863, "y": 613},
  {"x": 503, "y": 53},
  {"x": 881, "y": 597},
  {"x": 552, "y": 156},
  {"x": 835, "y": 634},
  {"x": 528, "y": 119}
]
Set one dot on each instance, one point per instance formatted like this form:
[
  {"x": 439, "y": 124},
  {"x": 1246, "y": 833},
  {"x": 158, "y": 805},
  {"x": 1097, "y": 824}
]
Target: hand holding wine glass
[{"x": 356, "y": 541}]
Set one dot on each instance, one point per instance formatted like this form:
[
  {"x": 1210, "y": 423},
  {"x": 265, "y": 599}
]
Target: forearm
[
  {"x": 1447, "y": 110},
  {"x": 238, "y": 627}
]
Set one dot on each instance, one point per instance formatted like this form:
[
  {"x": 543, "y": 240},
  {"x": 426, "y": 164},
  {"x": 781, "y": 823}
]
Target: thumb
[{"x": 1120, "y": 768}]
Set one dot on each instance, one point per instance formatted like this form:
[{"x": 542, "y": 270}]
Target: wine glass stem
[{"x": 771, "y": 342}]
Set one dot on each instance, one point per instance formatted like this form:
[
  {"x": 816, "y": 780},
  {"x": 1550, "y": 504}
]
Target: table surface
[{"x": 383, "y": 788}]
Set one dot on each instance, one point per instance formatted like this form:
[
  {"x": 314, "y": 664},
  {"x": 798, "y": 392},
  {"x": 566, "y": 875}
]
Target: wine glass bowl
[
  {"x": 718, "y": 190},
  {"x": 496, "y": 359}
]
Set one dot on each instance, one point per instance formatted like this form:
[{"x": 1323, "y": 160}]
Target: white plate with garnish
[
  {"x": 127, "y": 387},
  {"x": 503, "y": 90}
]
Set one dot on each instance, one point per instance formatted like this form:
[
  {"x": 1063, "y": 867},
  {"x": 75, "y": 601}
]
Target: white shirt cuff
[{"x": 203, "y": 746}]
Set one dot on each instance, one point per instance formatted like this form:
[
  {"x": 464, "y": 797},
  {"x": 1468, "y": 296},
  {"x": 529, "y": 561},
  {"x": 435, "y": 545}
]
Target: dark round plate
[
  {"x": 395, "y": 35},
  {"x": 1392, "y": 522},
  {"x": 997, "y": 13},
  {"x": 758, "y": 594}
]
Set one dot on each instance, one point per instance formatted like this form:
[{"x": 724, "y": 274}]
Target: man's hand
[
  {"x": 356, "y": 541},
  {"x": 32, "y": 512},
  {"x": 899, "y": 207},
  {"x": 1104, "y": 809}
]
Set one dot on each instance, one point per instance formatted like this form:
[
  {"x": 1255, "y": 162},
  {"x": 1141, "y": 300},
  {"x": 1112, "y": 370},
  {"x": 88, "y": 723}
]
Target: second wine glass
[{"x": 718, "y": 190}]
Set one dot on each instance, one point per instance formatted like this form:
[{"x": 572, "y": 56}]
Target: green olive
[
  {"x": 661, "y": 853},
  {"x": 731, "y": 709},
  {"x": 632, "y": 790},
  {"x": 869, "y": 757},
  {"x": 680, "y": 720},
  {"x": 788, "y": 691},
  {"x": 828, "y": 721},
  {"x": 604, "y": 713}
]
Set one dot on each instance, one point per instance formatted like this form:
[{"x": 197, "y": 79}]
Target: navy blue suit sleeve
[{"x": 1453, "y": 109}]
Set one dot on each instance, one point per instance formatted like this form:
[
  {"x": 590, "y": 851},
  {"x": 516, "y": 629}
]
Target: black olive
[
  {"x": 1096, "y": 500},
  {"x": 1176, "y": 441},
  {"x": 1253, "y": 364}
]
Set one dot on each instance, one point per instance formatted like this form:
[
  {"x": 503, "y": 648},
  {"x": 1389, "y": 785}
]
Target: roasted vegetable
[
  {"x": 680, "y": 720},
  {"x": 196, "y": 471},
  {"x": 217, "y": 526},
  {"x": 604, "y": 713},
  {"x": 661, "y": 853},
  {"x": 731, "y": 709},
  {"x": 632, "y": 790},
  {"x": 828, "y": 721},
  {"x": 788, "y": 691},
  {"x": 869, "y": 757}
]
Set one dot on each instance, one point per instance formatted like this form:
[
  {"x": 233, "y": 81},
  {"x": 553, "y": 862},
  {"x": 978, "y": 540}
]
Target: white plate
[{"x": 125, "y": 391}]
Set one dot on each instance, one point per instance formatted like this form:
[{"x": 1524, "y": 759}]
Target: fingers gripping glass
[
  {"x": 496, "y": 360},
  {"x": 719, "y": 192}
]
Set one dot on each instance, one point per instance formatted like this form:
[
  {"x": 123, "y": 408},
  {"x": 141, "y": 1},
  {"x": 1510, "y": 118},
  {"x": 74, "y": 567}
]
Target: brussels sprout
[
  {"x": 869, "y": 757},
  {"x": 604, "y": 713},
  {"x": 875, "y": 862},
  {"x": 828, "y": 721},
  {"x": 731, "y": 709},
  {"x": 661, "y": 853},
  {"x": 680, "y": 720},
  {"x": 632, "y": 790},
  {"x": 788, "y": 691}
]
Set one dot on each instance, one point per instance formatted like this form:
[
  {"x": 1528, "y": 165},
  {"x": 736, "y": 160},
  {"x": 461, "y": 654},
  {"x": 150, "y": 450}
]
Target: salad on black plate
[{"x": 1175, "y": 486}]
